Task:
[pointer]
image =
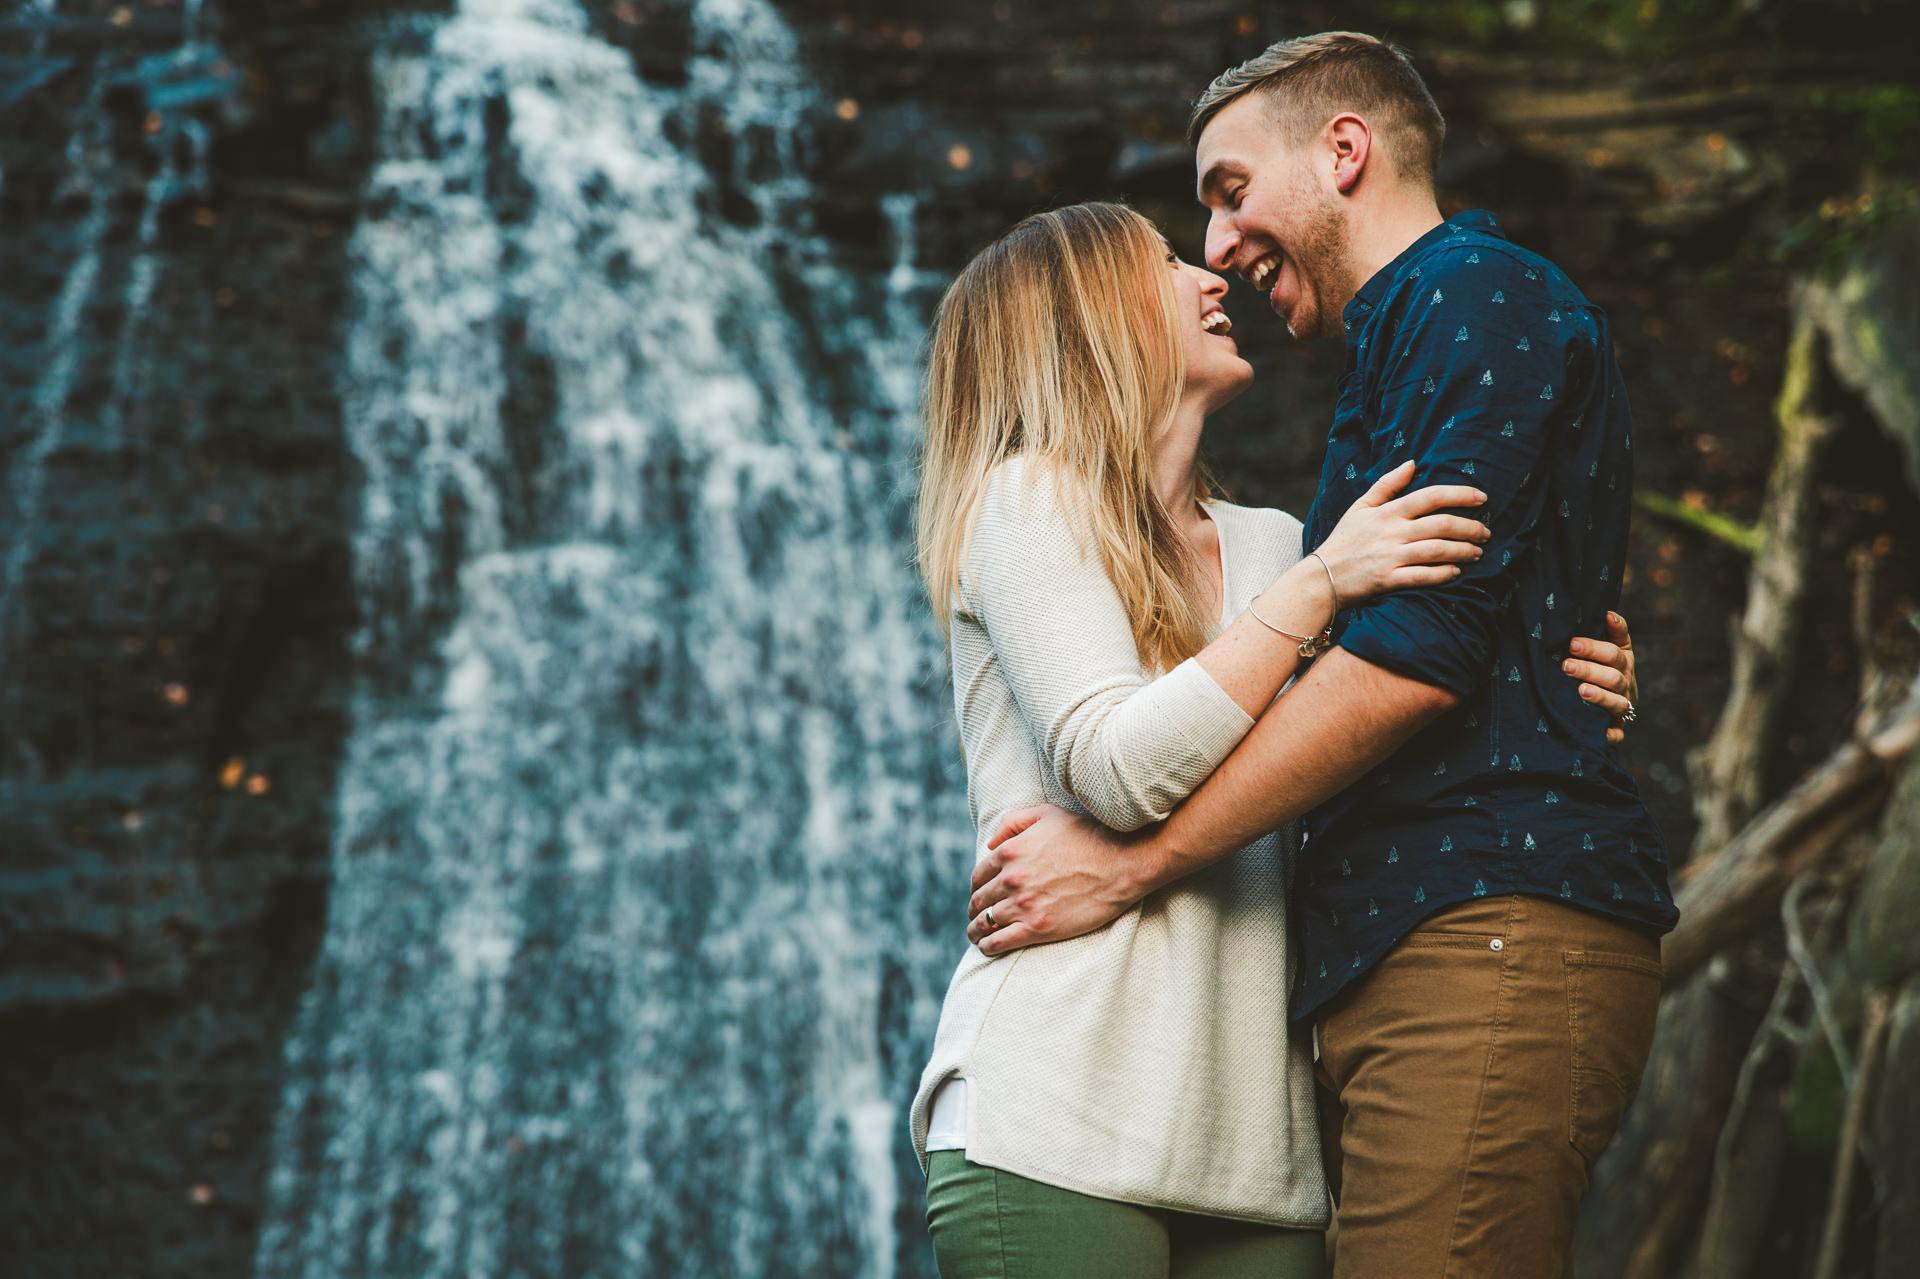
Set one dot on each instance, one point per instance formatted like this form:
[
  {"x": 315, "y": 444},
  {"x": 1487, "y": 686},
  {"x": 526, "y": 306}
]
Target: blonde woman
[{"x": 1129, "y": 1102}]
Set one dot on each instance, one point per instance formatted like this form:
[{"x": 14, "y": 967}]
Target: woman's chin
[{"x": 1229, "y": 385}]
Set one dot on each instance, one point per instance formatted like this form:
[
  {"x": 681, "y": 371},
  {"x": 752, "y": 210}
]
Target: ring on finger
[
  {"x": 987, "y": 915},
  {"x": 1631, "y": 714}
]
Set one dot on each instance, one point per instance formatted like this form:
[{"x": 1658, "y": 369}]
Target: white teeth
[
  {"x": 1216, "y": 322},
  {"x": 1262, "y": 272}
]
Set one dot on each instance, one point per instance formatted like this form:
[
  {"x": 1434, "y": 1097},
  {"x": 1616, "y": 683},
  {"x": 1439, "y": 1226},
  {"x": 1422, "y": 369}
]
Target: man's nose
[{"x": 1223, "y": 241}]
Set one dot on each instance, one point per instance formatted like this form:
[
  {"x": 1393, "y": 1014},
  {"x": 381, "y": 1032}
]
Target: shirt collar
[{"x": 1376, "y": 287}]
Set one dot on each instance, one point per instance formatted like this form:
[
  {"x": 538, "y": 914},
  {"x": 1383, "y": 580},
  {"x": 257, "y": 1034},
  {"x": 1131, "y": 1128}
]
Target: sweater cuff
[{"x": 1210, "y": 720}]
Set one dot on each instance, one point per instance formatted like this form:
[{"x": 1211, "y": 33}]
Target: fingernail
[{"x": 1567, "y": 667}]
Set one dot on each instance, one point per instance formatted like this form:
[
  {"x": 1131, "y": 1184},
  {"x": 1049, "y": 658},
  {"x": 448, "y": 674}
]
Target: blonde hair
[
  {"x": 1061, "y": 343},
  {"x": 1308, "y": 81}
]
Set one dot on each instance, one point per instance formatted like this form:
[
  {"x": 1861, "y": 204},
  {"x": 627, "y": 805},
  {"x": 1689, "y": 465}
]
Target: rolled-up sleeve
[{"x": 1473, "y": 395}]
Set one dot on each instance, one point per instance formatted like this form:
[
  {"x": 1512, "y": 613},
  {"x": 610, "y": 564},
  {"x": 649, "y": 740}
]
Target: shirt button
[{"x": 1496, "y": 944}]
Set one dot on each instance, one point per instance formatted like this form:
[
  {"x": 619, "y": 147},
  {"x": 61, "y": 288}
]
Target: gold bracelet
[{"x": 1311, "y": 646}]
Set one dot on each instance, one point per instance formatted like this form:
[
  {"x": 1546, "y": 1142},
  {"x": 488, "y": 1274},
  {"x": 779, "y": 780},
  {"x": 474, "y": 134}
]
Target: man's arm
[
  {"x": 1063, "y": 875},
  {"x": 1341, "y": 720},
  {"x": 1472, "y": 397}
]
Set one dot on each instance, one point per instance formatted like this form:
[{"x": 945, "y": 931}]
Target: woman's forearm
[{"x": 1250, "y": 661}]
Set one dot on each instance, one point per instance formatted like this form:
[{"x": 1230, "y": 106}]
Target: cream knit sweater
[{"x": 1149, "y": 1061}]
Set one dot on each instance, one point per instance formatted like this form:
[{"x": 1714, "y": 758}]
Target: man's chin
[{"x": 1299, "y": 318}]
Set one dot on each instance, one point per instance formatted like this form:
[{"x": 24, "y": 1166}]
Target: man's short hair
[{"x": 1308, "y": 81}]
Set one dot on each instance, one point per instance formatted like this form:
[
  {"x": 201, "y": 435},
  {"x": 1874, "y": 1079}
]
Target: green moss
[
  {"x": 1816, "y": 1100},
  {"x": 1827, "y": 236},
  {"x": 1722, "y": 528}
]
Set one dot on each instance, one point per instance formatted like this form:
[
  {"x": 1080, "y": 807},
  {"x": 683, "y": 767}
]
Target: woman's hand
[
  {"x": 1384, "y": 542},
  {"x": 1606, "y": 673}
]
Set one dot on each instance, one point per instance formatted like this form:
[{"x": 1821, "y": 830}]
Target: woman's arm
[
  {"x": 1064, "y": 876},
  {"x": 1383, "y": 543},
  {"x": 1127, "y": 747}
]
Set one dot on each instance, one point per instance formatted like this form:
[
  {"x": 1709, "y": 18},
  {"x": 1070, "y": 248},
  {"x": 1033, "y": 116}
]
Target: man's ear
[{"x": 1350, "y": 143}]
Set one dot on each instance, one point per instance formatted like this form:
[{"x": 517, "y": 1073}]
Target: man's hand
[
  {"x": 1607, "y": 676},
  {"x": 1049, "y": 875}
]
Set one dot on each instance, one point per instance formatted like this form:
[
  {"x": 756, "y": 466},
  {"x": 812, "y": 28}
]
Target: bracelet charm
[{"x": 1311, "y": 646}]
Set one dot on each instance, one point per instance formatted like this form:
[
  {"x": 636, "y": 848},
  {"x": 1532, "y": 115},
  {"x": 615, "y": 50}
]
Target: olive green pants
[{"x": 989, "y": 1224}]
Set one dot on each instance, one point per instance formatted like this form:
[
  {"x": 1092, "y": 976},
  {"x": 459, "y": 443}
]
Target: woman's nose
[{"x": 1211, "y": 285}]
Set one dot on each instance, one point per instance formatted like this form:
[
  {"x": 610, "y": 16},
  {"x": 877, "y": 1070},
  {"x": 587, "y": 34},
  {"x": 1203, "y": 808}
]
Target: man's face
[{"x": 1276, "y": 217}]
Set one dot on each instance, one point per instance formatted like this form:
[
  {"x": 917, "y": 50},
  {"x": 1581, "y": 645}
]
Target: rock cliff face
[
  {"x": 261, "y": 587},
  {"x": 173, "y": 609}
]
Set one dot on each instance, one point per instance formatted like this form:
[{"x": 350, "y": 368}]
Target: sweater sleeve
[{"x": 1126, "y": 746}]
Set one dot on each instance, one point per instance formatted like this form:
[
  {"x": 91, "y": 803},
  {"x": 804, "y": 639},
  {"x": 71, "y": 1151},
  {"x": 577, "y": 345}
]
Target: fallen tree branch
[
  {"x": 1727, "y": 894},
  {"x": 1744, "y": 538},
  {"x": 1729, "y": 769}
]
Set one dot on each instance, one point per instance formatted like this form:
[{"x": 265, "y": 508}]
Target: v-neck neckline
[{"x": 1226, "y": 568}]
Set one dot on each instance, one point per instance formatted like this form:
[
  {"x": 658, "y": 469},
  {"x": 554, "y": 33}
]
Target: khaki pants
[{"x": 1469, "y": 1081}]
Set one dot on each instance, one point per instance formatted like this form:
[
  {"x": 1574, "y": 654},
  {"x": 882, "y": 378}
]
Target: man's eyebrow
[{"x": 1214, "y": 175}]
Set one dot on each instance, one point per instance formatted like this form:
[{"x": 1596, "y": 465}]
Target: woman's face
[{"x": 1215, "y": 371}]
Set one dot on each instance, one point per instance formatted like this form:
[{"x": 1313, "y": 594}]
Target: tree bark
[
  {"x": 1897, "y": 1127},
  {"x": 1833, "y": 1239},
  {"x": 1731, "y": 893},
  {"x": 1648, "y": 1189},
  {"x": 1753, "y": 1145},
  {"x": 1733, "y": 1234},
  {"x": 1730, "y": 770}
]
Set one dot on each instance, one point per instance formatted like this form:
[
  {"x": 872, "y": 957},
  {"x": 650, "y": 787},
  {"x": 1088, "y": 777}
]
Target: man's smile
[{"x": 1261, "y": 273}]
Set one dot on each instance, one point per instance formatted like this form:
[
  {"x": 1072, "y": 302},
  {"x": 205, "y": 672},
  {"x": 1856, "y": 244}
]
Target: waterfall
[
  {"x": 650, "y": 835},
  {"x": 105, "y": 269}
]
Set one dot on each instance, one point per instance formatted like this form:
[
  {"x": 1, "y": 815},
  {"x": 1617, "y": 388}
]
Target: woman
[{"x": 1128, "y": 1102}]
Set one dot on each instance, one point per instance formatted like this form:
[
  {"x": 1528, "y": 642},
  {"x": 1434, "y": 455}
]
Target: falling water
[
  {"x": 649, "y": 807},
  {"x": 176, "y": 146},
  {"x": 26, "y": 474}
]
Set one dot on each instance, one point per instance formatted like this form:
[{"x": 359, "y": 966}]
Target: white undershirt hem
[{"x": 947, "y": 1119}]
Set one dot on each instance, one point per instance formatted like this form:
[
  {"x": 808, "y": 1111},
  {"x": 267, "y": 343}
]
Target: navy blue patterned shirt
[{"x": 1482, "y": 361}]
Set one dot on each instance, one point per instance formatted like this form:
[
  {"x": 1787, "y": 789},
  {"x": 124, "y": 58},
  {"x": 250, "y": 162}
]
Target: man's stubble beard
[{"x": 1323, "y": 259}]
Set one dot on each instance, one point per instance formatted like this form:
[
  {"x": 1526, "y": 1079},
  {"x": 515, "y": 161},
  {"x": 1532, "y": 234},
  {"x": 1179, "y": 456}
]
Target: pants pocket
[{"x": 1613, "y": 1000}]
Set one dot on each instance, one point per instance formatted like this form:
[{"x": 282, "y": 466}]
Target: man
[{"x": 1479, "y": 893}]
